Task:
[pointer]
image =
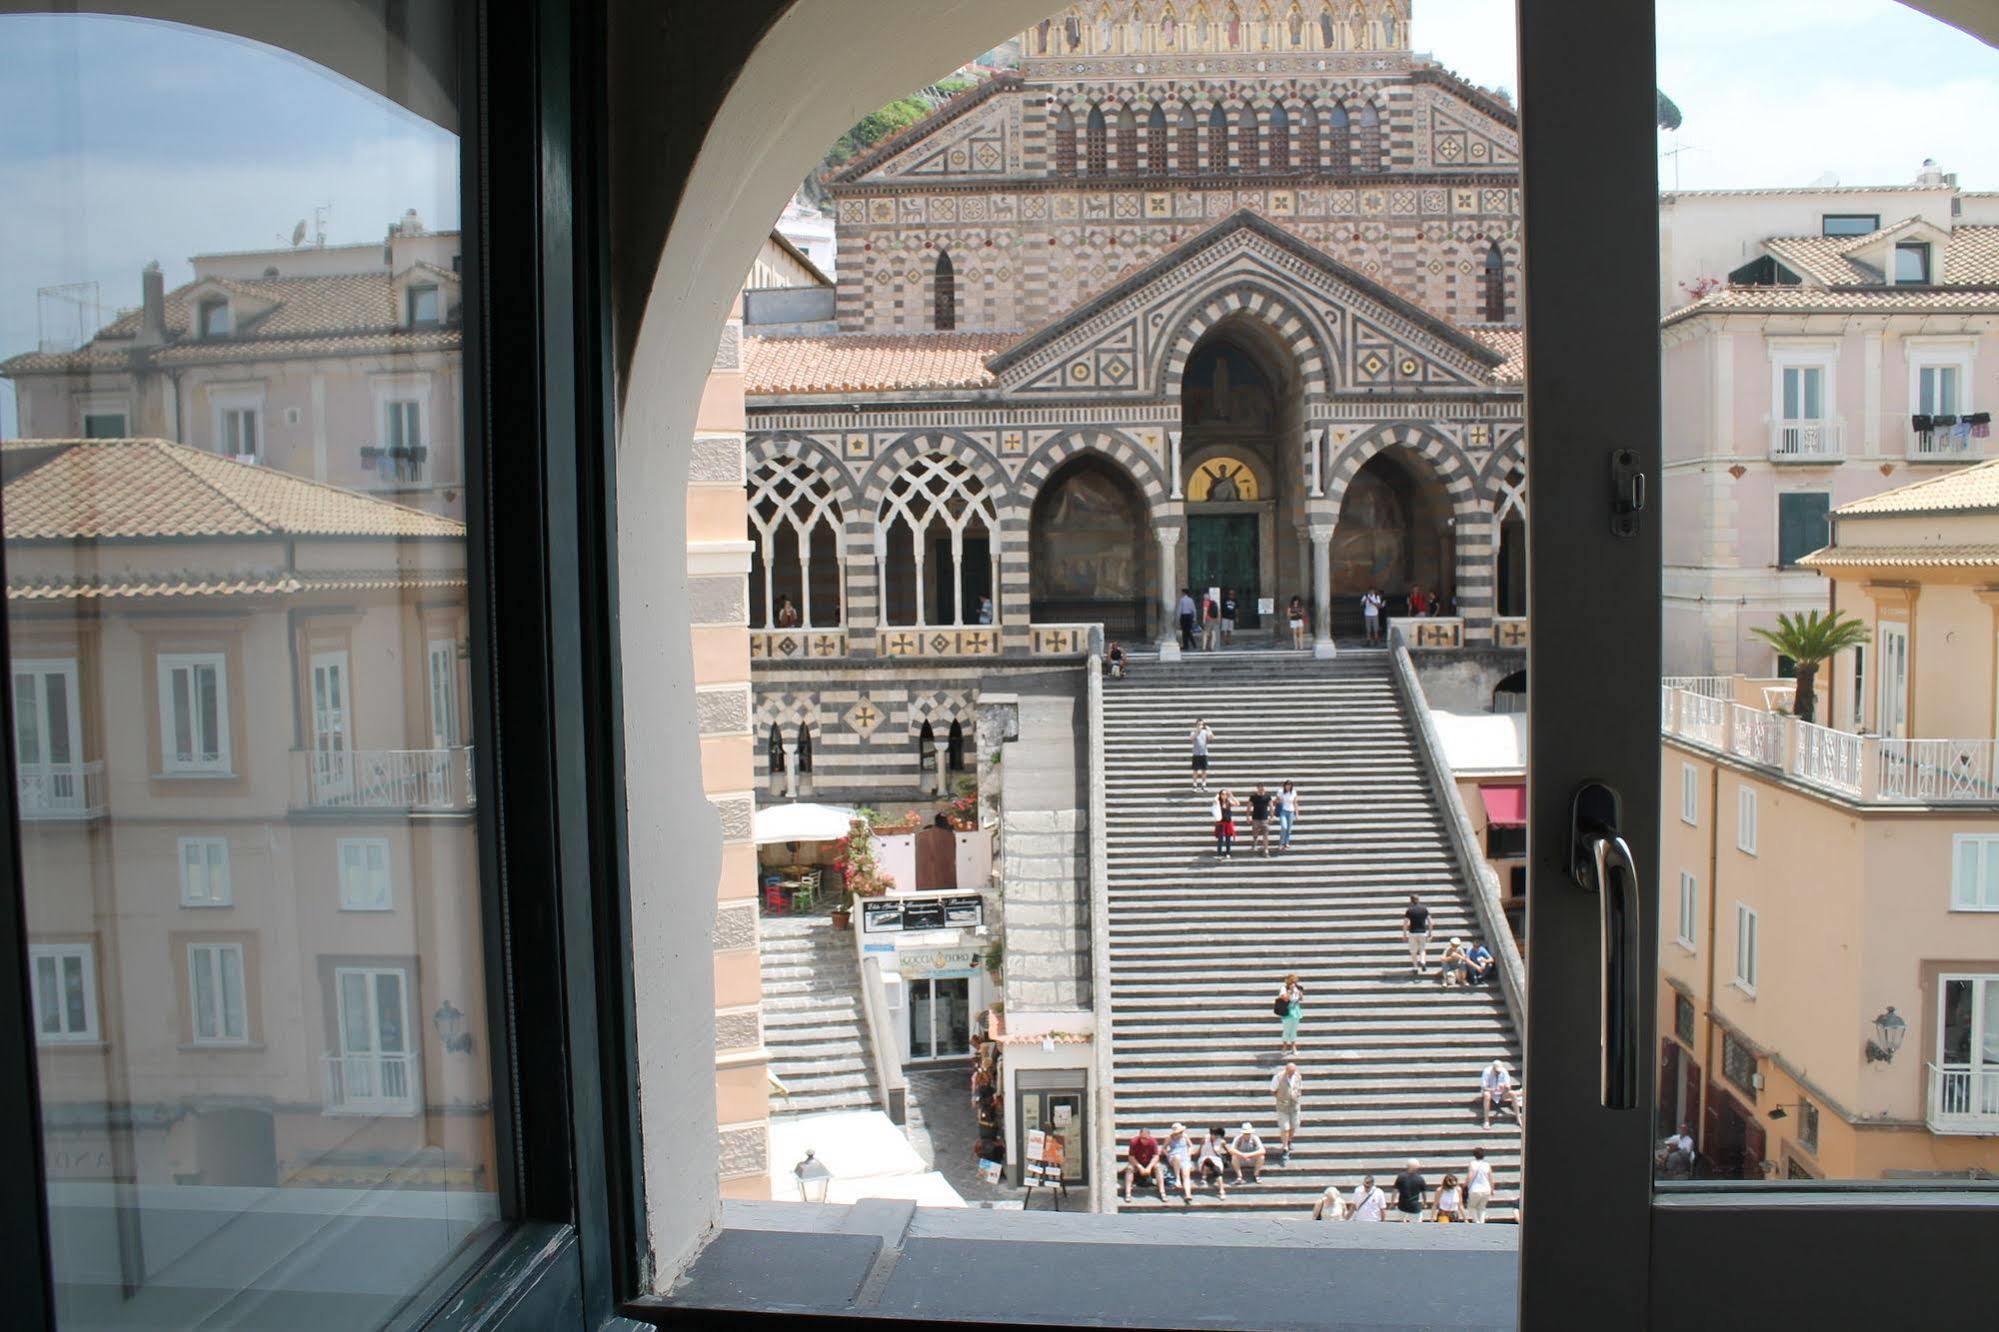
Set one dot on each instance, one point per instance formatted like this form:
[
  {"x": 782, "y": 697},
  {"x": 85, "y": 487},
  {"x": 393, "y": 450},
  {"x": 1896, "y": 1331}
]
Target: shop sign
[
  {"x": 78, "y": 1156},
  {"x": 953, "y": 959},
  {"x": 908, "y": 915}
]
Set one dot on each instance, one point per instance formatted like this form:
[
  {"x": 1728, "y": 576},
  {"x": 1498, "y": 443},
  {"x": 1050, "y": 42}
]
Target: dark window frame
[
  {"x": 1873, "y": 221},
  {"x": 1922, "y": 251},
  {"x": 1793, "y": 543}
]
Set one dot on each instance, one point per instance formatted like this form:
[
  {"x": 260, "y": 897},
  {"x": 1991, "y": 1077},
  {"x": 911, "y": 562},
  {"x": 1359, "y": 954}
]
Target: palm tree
[{"x": 1811, "y": 640}]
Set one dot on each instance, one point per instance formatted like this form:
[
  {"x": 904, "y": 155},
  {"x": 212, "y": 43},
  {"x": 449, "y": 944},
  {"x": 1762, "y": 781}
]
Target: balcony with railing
[
  {"x": 372, "y": 1084},
  {"x": 1864, "y": 768},
  {"x": 1807, "y": 441},
  {"x": 1963, "y": 1099},
  {"x": 426, "y": 780},
  {"x": 57, "y": 791},
  {"x": 1945, "y": 444}
]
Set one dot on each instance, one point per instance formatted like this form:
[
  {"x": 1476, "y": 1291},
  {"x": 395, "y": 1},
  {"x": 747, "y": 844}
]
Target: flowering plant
[{"x": 855, "y": 859}]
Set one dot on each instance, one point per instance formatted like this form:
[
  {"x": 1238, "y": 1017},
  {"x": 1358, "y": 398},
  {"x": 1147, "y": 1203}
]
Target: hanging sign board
[
  {"x": 1266, "y": 605},
  {"x": 895, "y": 915}
]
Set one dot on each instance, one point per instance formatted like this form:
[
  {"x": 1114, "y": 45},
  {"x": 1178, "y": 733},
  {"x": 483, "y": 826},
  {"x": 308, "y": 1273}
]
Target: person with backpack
[
  {"x": 1211, "y": 624},
  {"x": 1223, "y": 811},
  {"x": 1290, "y": 1006}
]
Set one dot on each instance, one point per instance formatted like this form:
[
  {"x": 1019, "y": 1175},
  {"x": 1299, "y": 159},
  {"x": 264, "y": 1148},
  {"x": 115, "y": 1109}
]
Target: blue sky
[{"x": 139, "y": 141}]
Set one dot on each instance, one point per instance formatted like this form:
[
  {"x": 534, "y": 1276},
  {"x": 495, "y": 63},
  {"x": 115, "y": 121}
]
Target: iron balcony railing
[
  {"x": 420, "y": 779},
  {"x": 1807, "y": 441},
  {"x": 1963, "y": 1099},
  {"x": 60, "y": 790},
  {"x": 372, "y": 1084}
]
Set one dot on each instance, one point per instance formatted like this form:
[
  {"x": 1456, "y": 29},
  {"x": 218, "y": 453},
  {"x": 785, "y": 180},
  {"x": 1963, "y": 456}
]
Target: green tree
[
  {"x": 1811, "y": 640},
  {"x": 1669, "y": 113}
]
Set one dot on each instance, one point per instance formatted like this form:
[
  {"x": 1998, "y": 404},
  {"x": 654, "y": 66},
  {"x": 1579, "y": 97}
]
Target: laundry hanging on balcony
[{"x": 1980, "y": 423}]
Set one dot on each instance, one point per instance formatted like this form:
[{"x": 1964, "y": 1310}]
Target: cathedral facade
[{"x": 1205, "y": 295}]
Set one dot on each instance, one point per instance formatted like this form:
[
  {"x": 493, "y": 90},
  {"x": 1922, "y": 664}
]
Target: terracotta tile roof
[
  {"x": 1975, "y": 487},
  {"x": 1843, "y": 300},
  {"x": 870, "y": 362},
  {"x": 1904, "y": 557},
  {"x": 1508, "y": 342},
  {"x": 321, "y": 309},
  {"x": 195, "y": 583},
  {"x": 76, "y": 489},
  {"x": 1970, "y": 257}
]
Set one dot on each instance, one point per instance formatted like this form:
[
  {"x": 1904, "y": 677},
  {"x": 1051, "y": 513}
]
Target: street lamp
[
  {"x": 1889, "y": 1031},
  {"x": 813, "y": 1178},
  {"x": 450, "y": 1025}
]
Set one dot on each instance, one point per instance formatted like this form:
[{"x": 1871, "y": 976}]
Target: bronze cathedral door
[{"x": 1222, "y": 553}]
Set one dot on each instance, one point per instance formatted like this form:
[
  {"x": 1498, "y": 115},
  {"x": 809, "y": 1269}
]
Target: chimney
[{"x": 152, "y": 306}]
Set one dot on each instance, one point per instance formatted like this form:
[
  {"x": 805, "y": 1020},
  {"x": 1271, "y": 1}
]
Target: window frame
[
  {"x": 1746, "y": 812},
  {"x": 1873, "y": 221},
  {"x": 221, "y": 1009},
  {"x": 1689, "y": 917},
  {"x": 1789, "y": 559},
  {"x": 84, "y": 950},
  {"x": 166, "y": 664},
  {"x": 343, "y": 847},
  {"x": 246, "y": 401},
  {"x": 1924, "y": 251},
  {"x": 414, "y": 292},
  {"x": 228, "y": 896},
  {"x": 1748, "y": 959},
  {"x": 206, "y": 326},
  {"x": 1942, "y": 353},
  {"x": 1690, "y": 795},
  {"x": 1989, "y": 847}
]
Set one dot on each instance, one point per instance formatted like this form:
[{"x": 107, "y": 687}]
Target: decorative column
[
  {"x": 881, "y": 586},
  {"x": 1169, "y": 595},
  {"x": 937, "y": 765},
  {"x": 1312, "y": 442},
  {"x": 1322, "y": 591},
  {"x": 804, "y": 587},
  {"x": 791, "y": 772},
  {"x": 1173, "y": 461}
]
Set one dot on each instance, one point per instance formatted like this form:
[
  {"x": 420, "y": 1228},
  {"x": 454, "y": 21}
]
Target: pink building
[{"x": 1824, "y": 369}]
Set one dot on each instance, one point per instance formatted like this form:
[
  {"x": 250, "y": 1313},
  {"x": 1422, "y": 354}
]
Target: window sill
[
  {"x": 226, "y": 1047},
  {"x": 1686, "y": 946},
  {"x": 1747, "y": 990},
  {"x": 197, "y": 775},
  {"x": 72, "y": 1047},
  {"x": 206, "y": 906},
  {"x": 882, "y": 1259}
]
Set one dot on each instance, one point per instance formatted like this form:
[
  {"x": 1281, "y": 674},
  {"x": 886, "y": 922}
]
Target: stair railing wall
[
  {"x": 1479, "y": 878},
  {"x": 888, "y": 1069},
  {"x": 1103, "y": 1147}
]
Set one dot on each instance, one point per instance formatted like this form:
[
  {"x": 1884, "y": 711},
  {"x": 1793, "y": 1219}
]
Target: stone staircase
[
  {"x": 1198, "y": 947},
  {"x": 814, "y": 1027}
]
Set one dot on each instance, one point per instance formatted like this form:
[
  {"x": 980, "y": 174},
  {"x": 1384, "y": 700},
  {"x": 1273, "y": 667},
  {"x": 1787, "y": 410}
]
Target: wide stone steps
[
  {"x": 812, "y": 1017},
  {"x": 1197, "y": 946}
]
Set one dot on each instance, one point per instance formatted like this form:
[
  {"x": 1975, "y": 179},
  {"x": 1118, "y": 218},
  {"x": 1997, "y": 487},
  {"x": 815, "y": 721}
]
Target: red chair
[{"x": 776, "y": 903}]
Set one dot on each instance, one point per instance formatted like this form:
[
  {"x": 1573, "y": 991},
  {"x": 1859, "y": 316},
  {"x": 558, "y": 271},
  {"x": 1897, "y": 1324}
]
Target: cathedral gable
[
  {"x": 1345, "y": 330},
  {"x": 975, "y": 136}
]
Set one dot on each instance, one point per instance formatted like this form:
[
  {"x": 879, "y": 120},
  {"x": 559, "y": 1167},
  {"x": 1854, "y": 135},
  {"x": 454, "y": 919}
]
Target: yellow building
[{"x": 1830, "y": 893}]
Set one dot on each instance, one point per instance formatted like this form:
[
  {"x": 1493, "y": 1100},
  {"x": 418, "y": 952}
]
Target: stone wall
[
  {"x": 1038, "y": 729},
  {"x": 1462, "y": 679}
]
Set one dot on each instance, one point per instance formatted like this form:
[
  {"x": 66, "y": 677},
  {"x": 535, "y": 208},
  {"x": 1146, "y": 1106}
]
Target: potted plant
[
  {"x": 1811, "y": 640},
  {"x": 963, "y": 810},
  {"x": 860, "y": 871}
]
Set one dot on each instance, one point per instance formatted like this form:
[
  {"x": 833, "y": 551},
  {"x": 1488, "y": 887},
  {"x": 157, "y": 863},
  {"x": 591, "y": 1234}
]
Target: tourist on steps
[
  {"x": 1371, "y": 606},
  {"x": 1295, "y": 613},
  {"x": 1290, "y": 1006},
  {"x": 1416, "y": 933},
  {"x": 1186, "y": 613},
  {"x": 1330, "y": 1207},
  {"x": 1180, "y": 1156},
  {"x": 1200, "y": 736},
  {"x": 1114, "y": 661},
  {"x": 1496, "y": 1092},
  {"x": 1478, "y": 1186},
  {"x": 1287, "y": 1089},
  {"x": 1228, "y": 616},
  {"x": 1211, "y": 624},
  {"x": 1369, "y": 1202},
  {"x": 1410, "y": 1186},
  {"x": 1453, "y": 969},
  {"x": 1141, "y": 1161},
  {"x": 1287, "y": 815},
  {"x": 1223, "y": 811},
  {"x": 1449, "y": 1203},
  {"x": 1260, "y": 803},
  {"x": 1214, "y": 1156},
  {"x": 1246, "y": 1153}
]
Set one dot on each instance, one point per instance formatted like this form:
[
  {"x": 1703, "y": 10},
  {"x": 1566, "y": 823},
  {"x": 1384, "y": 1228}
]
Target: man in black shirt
[
  {"x": 1416, "y": 931},
  {"x": 1228, "y": 615},
  {"x": 1410, "y": 1187},
  {"x": 1259, "y": 820}
]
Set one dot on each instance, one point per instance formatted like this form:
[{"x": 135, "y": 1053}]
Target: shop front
[{"x": 932, "y": 948}]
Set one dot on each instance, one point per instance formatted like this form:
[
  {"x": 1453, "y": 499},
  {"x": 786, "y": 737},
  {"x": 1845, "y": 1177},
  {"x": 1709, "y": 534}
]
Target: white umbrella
[{"x": 803, "y": 823}]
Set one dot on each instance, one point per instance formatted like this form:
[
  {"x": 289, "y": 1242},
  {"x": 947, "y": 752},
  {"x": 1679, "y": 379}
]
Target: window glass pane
[
  {"x": 340, "y": 1156},
  {"x": 1800, "y": 653}
]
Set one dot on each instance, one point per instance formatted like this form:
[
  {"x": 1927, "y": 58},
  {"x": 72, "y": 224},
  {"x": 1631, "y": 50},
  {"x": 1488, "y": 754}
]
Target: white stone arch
[
  {"x": 1139, "y": 464},
  {"x": 937, "y": 487},
  {"x": 788, "y": 494},
  {"x": 1288, "y": 317}
]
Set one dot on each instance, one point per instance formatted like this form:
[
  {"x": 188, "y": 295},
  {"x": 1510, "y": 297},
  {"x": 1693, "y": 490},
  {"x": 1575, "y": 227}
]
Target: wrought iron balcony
[
  {"x": 414, "y": 779},
  {"x": 60, "y": 790}
]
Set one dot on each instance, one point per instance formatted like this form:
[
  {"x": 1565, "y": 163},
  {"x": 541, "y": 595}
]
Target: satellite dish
[
  {"x": 298, "y": 233},
  {"x": 1828, "y": 181}
]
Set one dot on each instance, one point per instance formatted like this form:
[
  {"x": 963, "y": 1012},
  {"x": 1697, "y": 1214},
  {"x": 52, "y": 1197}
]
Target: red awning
[{"x": 1505, "y": 806}]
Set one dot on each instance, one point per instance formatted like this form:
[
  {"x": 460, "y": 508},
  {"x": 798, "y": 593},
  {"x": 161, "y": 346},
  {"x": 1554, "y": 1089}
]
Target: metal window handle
[{"x": 1601, "y": 862}]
